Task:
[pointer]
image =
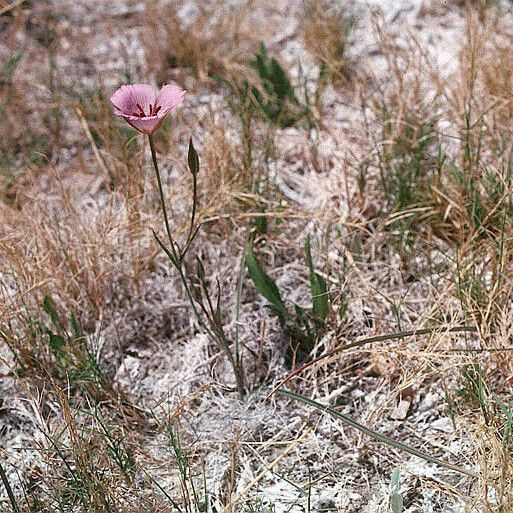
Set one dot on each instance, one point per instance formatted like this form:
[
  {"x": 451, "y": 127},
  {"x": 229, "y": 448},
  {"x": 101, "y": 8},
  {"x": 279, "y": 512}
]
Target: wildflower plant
[{"x": 146, "y": 110}]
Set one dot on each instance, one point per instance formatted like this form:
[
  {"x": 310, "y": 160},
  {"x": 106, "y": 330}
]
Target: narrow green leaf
[
  {"x": 10, "y": 65},
  {"x": 274, "y": 96},
  {"x": 265, "y": 284},
  {"x": 318, "y": 289},
  {"x": 57, "y": 344},
  {"x": 218, "y": 314},
  {"x": 508, "y": 413},
  {"x": 396, "y": 503},
  {"x": 78, "y": 332},
  {"x": 49, "y": 308},
  {"x": 394, "y": 482},
  {"x": 196, "y": 292},
  {"x": 8, "y": 489},
  {"x": 373, "y": 434},
  {"x": 200, "y": 270}
]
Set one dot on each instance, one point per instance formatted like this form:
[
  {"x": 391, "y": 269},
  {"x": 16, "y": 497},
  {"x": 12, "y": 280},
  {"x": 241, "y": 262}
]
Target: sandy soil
[{"x": 145, "y": 340}]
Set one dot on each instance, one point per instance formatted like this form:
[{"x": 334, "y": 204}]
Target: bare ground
[{"x": 76, "y": 226}]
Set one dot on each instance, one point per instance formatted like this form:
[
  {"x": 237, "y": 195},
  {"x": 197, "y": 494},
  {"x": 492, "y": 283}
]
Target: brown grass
[
  {"x": 326, "y": 31},
  {"x": 212, "y": 41},
  {"x": 93, "y": 419}
]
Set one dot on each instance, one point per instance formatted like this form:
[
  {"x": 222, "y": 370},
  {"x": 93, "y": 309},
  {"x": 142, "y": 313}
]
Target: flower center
[{"x": 139, "y": 112}]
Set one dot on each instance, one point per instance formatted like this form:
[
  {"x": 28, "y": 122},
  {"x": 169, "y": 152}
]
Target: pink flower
[{"x": 143, "y": 108}]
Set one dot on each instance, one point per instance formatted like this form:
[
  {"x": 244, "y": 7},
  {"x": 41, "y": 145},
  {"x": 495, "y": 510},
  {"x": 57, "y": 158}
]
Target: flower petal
[
  {"x": 169, "y": 96},
  {"x": 128, "y": 97},
  {"x": 146, "y": 125}
]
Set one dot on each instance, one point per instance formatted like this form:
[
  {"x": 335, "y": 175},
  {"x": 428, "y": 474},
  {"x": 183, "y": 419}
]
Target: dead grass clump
[
  {"x": 456, "y": 188},
  {"x": 84, "y": 259},
  {"x": 88, "y": 462},
  {"x": 472, "y": 193},
  {"x": 325, "y": 29},
  {"x": 206, "y": 43},
  {"x": 223, "y": 178},
  {"x": 494, "y": 63}
]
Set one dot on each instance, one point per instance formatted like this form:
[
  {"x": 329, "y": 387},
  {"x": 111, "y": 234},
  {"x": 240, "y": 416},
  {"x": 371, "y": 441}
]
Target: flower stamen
[{"x": 141, "y": 113}]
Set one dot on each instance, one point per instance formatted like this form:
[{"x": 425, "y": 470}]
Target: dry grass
[
  {"x": 213, "y": 39},
  {"x": 326, "y": 31},
  {"x": 114, "y": 399}
]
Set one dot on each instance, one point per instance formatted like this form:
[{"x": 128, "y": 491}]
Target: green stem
[
  {"x": 172, "y": 255},
  {"x": 217, "y": 328},
  {"x": 161, "y": 192},
  {"x": 8, "y": 489},
  {"x": 235, "y": 363},
  {"x": 240, "y": 283},
  {"x": 178, "y": 266},
  {"x": 176, "y": 258},
  {"x": 193, "y": 213},
  {"x": 215, "y": 331}
]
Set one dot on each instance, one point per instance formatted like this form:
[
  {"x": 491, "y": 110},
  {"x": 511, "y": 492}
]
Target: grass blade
[
  {"x": 264, "y": 284},
  {"x": 373, "y": 434},
  {"x": 318, "y": 289},
  {"x": 376, "y": 338},
  {"x": 8, "y": 489},
  {"x": 50, "y": 310}
]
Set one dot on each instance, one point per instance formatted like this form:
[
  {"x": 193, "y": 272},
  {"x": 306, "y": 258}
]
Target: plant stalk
[
  {"x": 176, "y": 257},
  {"x": 161, "y": 193}
]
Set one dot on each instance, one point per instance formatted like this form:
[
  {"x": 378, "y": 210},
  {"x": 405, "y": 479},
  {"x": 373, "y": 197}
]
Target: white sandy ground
[{"x": 158, "y": 369}]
